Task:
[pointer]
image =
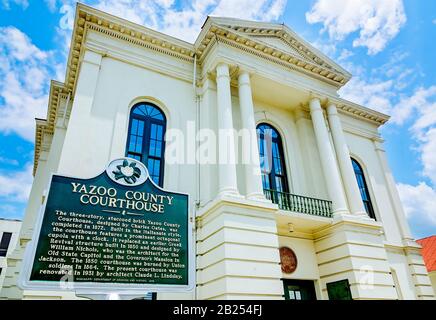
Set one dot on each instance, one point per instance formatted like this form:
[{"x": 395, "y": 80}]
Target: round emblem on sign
[
  {"x": 127, "y": 172},
  {"x": 288, "y": 260}
]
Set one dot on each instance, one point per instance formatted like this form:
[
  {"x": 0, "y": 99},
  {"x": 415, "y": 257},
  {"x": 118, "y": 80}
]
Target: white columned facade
[
  {"x": 253, "y": 178},
  {"x": 343, "y": 154},
  {"x": 328, "y": 162},
  {"x": 226, "y": 139}
]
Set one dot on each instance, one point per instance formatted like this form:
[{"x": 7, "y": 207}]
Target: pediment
[
  {"x": 281, "y": 38},
  {"x": 279, "y": 44}
]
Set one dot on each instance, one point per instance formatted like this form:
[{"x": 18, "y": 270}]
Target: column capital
[
  {"x": 243, "y": 77},
  {"x": 222, "y": 70},
  {"x": 315, "y": 104},
  {"x": 332, "y": 109}
]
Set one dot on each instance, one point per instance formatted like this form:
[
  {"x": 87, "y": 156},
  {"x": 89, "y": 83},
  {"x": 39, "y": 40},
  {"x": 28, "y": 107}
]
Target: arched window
[
  {"x": 146, "y": 138},
  {"x": 272, "y": 160},
  {"x": 364, "y": 192}
]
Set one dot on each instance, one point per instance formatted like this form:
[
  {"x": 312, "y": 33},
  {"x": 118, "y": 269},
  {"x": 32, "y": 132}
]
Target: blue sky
[{"x": 388, "y": 45}]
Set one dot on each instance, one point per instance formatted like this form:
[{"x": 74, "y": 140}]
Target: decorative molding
[
  {"x": 313, "y": 66},
  {"x": 46, "y": 126}
]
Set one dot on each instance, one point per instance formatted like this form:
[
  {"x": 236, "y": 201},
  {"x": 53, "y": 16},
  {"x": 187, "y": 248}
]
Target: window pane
[
  {"x": 152, "y": 151},
  {"x": 4, "y": 244},
  {"x": 138, "y": 148},
  {"x": 364, "y": 192},
  {"x": 153, "y": 131},
  {"x": 145, "y": 140},
  {"x": 159, "y": 149},
  {"x": 134, "y": 129},
  {"x": 265, "y": 181},
  {"x": 271, "y": 158},
  {"x": 159, "y": 133},
  {"x": 156, "y": 168},
  {"x": 141, "y": 128}
]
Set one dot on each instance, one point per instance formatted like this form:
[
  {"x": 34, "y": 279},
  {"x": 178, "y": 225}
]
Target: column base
[
  {"x": 257, "y": 197},
  {"x": 340, "y": 212},
  {"x": 364, "y": 216},
  {"x": 229, "y": 192}
]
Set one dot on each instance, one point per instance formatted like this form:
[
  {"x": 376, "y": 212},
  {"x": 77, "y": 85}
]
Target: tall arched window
[
  {"x": 146, "y": 138},
  {"x": 272, "y": 159},
  {"x": 364, "y": 192}
]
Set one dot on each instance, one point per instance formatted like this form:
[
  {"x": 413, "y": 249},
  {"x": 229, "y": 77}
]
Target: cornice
[
  {"x": 312, "y": 65},
  {"x": 88, "y": 18},
  {"x": 46, "y": 126},
  {"x": 350, "y": 108},
  {"x": 361, "y": 112}
]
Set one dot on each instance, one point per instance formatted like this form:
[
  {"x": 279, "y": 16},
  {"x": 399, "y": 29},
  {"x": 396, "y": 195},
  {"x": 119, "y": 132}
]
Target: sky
[{"x": 388, "y": 45}]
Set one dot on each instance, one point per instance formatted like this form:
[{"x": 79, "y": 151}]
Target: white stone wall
[{"x": 12, "y": 226}]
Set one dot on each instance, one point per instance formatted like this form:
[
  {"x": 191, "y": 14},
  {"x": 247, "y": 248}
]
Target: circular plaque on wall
[{"x": 288, "y": 260}]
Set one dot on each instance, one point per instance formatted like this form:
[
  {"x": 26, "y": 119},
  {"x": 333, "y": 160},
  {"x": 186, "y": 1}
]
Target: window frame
[
  {"x": 5, "y": 247},
  {"x": 146, "y": 138},
  {"x": 272, "y": 175},
  {"x": 367, "y": 203}
]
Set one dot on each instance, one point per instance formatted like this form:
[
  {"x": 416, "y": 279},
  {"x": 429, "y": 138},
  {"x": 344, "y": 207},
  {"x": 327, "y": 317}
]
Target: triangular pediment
[
  {"x": 279, "y": 44},
  {"x": 282, "y": 41}
]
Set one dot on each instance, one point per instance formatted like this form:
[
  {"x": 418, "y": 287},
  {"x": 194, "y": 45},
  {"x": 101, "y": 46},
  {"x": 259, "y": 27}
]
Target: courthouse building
[{"x": 324, "y": 221}]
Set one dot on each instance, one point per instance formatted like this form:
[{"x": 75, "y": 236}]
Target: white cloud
[
  {"x": 345, "y": 54},
  {"x": 251, "y": 10},
  {"x": 418, "y": 104},
  {"x": 372, "y": 94},
  {"x": 378, "y": 21},
  {"x": 15, "y": 186},
  {"x": 8, "y": 161},
  {"x": 383, "y": 88},
  {"x": 183, "y": 21},
  {"x": 419, "y": 202},
  {"x": 25, "y": 71},
  {"x": 22, "y": 3}
]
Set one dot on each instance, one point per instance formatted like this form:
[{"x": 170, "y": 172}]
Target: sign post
[{"x": 114, "y": 234}]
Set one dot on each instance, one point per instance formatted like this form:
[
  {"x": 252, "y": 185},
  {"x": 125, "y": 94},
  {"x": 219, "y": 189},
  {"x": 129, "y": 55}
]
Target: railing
[{"x": 296, "y": 203}]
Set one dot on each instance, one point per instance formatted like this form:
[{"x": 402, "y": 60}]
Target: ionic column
[
  {"x": 253, "y": 178},
  {"x": 226, "y": 139},
  {"x": 343, "y": 155},
  {"x": 328, "y": 162}
]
